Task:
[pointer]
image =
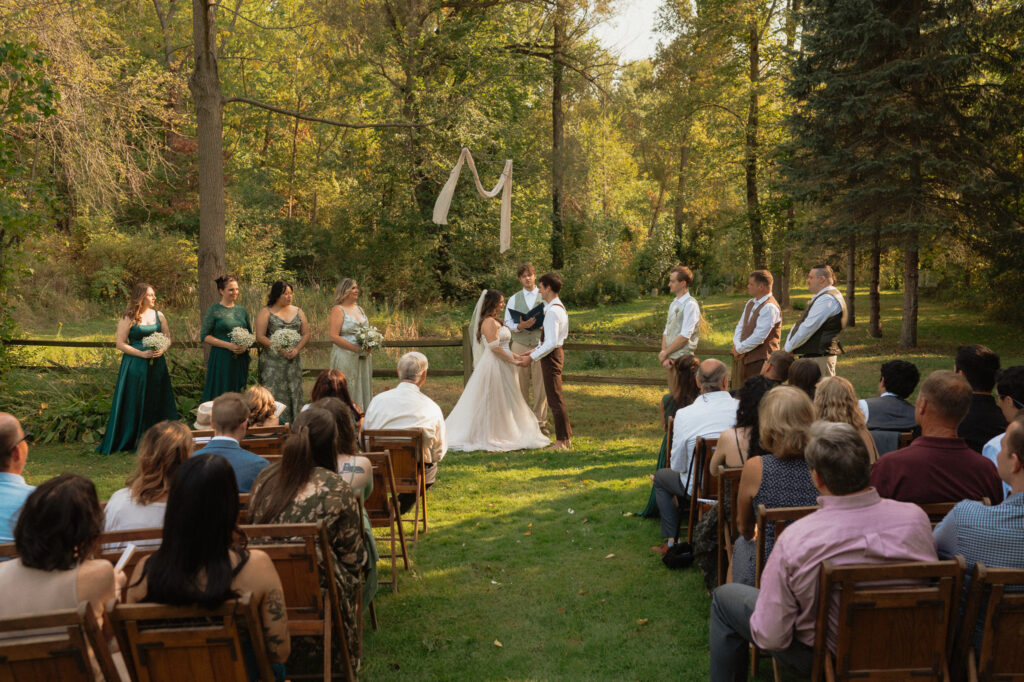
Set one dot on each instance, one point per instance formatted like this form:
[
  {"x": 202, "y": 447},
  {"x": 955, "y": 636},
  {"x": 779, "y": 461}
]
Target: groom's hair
[
  {"x": 411, "y": 366},
  {"x": 525, "y": 268},
  {"x": 552, "y": 281}
]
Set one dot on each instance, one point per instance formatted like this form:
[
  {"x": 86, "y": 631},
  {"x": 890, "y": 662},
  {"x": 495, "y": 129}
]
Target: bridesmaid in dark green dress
[
  {"x": 143, "y": 394},
  {"x": 280, "y": 371},
  {"x": 227, "y": 369}
]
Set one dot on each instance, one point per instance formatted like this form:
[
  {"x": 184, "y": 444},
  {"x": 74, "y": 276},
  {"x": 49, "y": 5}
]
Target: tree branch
[{"x": 328, "y": 121}]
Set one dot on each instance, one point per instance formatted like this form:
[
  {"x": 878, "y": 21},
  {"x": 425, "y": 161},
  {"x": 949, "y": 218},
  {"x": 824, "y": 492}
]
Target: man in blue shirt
[
  {"x": 230, "y": 417},
  {"x": 13, "y": 489}
]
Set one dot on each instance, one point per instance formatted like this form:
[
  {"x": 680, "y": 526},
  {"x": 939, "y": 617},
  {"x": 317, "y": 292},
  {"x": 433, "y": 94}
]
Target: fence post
[{"x": 467, "y": 355}]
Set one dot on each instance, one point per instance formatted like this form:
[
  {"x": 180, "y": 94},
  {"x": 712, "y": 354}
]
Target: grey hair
[
  {"x": 838, "y": 453},
  {"x": 411, "y": 366},
  {"x": 712, "y": 379}
]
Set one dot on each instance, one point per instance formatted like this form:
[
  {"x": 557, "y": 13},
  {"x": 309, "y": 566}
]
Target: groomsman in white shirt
[
  {"x": 550, "y": 356},
  {"x": 682, "y": 329},
  {"x": 815, "y": 333},
  {"x": 758, "y": 331},
  {"x": 525, "y": 337}
]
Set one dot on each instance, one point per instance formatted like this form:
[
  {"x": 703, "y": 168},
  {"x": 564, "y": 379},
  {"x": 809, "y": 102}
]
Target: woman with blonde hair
[
  {"x": 143, "y": 394},
  {"x": 263, "y": 409},
  {"x": 347, "y": 355},
  {"x": 836, "y": 401},
  {"x": 779, "y": 478},
  {"x": 143, "y": 500}
]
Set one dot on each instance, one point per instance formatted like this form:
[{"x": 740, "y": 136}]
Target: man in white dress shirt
[
  {"x": 758, "y": 331},
  {"x": 551, "y": 357},
  {"x": 525, "y": 337},
  {"x": 1010, "y": 390},
  {"x": 405, "y": 407},
  {"x": 815, "y": 335},
  {"x": 682, "y": 329}
]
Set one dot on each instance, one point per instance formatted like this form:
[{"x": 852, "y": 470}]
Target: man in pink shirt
[{"x": 854, "y": 525}]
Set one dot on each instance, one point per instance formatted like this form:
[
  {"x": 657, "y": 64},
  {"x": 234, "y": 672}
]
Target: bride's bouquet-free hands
[
  {"x": 157, "y": 343},
  {"x": 284, "y": 340},
  {"x": 240, "y": 336},
  {"x": 368, "y": 338}
]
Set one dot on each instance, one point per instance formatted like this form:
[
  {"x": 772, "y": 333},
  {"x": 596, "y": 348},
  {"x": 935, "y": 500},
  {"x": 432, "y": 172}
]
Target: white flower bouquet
[
  {"x": 240, "y": 336},
  {"x": 368, "y": 337},
  {"x": 155, "y": 342},
  {"x": 284, "y": 339}
]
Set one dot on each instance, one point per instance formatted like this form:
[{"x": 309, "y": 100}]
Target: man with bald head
[
  {"x": 815, "y": 334},
  {"x": 712, "y": 412},
  {"x": 13, "y": 489},
  {"x": 938, "y": 466}
]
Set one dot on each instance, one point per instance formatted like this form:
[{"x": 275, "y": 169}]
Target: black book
[{"x": 537, "y": 313}]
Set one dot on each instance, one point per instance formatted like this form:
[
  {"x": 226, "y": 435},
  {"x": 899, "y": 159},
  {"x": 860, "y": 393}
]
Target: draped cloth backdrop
[{"x": 444, "y": 199}]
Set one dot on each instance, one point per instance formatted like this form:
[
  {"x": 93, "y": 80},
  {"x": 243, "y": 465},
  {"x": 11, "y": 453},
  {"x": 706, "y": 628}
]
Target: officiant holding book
[{"x": 524, "y": 316}]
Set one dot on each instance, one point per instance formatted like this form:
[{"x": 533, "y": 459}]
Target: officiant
[{"x": 524, "y": 318}]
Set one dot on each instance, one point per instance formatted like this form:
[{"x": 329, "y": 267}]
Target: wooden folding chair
[
  {"x": 937, "y": 511},
  {"x": 728, "y": 491},
  {"x": 244, "y": 505},
  {"x": 906, "y": 438},
  {"x": 996, "y": 599},
  {"x": 705, "y": 486},
  {"x": 171, "y": 643},
  {"x": 54, "y": 646},
  {"x": 382, "y": 509},
  {"x": 114, "y": 542},
  {"x": 407, "y": 463},
  {"x": 265, "y": 441},
  {"x": 670, "y": 426},
  {"x": 313, "y": 609},
  {"x": 893, "y": 621}
]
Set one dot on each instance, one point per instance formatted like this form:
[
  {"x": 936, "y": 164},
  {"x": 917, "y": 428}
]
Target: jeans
[{"x": 667, "y": 486}]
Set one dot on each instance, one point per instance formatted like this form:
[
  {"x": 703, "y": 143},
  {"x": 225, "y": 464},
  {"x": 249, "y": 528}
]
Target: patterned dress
[
  {"x": 283, "y": 376},
  {"x": 327, "y": 497},
  {"x": 357, "y": 368},
  {"x": 225, "y": 371}
]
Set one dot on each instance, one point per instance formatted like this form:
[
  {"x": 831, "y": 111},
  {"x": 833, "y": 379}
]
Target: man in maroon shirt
[{"x": 938, "y": 466}]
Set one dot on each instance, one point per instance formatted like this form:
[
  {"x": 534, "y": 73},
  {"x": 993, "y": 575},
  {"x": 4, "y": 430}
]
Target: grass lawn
[{"x": 534, "y": 567}]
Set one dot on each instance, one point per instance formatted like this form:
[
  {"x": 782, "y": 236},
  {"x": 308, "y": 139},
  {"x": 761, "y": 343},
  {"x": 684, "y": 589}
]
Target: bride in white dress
[{"x": 491, "y": 413}]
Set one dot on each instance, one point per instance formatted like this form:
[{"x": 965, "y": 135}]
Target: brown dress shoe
[{"x": 660, "y": 549}]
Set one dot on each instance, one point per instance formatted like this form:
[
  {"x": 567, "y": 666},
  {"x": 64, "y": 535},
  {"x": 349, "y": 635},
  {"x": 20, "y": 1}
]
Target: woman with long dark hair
[
  {"x": 227, "y": 369},
  {"x": 203, "y": 559},
  {"x": 332, "y": 383},
  {"x": 280, "y": 366},
  {"x": 305, "y": 487},
  {"x": 143, "y": 394}
]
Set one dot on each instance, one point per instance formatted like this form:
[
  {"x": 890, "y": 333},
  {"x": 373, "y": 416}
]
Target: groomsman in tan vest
[
  {"x": 525, "y": 337},
  {"x": 758, "y": 330}
]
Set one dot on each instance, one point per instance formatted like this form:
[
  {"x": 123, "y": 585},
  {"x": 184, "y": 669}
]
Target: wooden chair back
[
  {"x": 113, "y": 544},
  {"x": 670, "y": 426},
  {"x": 995, "y": 602},
  {"x": 244, "y": 505},
  {"x": 265, "y": 441},
  {"x": 728, "y": 491},
  {"x": 937, "y": 511},
  {"x": 778, "y": 518},
  {"x": 382, "y": 510},
  {"x": 705, "y": 486},
  {"x": 905, "y": 439},
  {"x": 407, "y": 464},
  {"x": 54, "y": 646},
  {"x": 893, "y": 621},
  {"x": 170, "y": 643}
]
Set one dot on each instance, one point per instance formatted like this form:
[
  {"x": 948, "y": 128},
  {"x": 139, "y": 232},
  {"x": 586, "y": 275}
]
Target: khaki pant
[
  {"x": 827, "y": 364},
  {"x": 535, "y": 376}
]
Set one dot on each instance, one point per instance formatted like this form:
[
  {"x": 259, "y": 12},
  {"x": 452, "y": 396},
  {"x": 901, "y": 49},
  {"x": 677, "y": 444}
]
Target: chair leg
[
  {"x": 373, "y": 614},
  {"x": 423, "y": 494},
  {"x": 416, "y": 520},
  {"x": 328, "y": 637},
  {"x": 776, "y": 670}
]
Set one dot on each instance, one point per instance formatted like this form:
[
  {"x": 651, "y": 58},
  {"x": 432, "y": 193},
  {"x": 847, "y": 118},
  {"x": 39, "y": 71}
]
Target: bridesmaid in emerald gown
[
  {"x": 280, "y": 371},
  {"x": 143, "y": 394},
  {"x": 227, "y": 369}
]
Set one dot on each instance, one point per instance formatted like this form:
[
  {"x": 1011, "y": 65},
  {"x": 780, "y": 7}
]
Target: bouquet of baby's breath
[
  {"x": 284, "y": 339},
  {"x": 240, "y": 336},
  {"x": 368, "y": 337},
  {"x": 155, "y": 342}
]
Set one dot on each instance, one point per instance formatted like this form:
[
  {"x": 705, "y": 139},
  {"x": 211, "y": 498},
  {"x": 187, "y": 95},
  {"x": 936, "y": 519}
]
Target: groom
[{"x": 551, "y": 356}]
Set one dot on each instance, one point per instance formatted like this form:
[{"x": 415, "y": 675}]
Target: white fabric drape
[{"x": 444, "y": 199}]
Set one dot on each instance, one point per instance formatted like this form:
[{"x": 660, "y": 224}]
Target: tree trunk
[
  {"x": 557, "y": 138},
  {"x": 679, "y": 211},
  {"x": 787, "y": 277},
  {"x": 658, "y": 204},
  {"x": 908, "y": 330},
  {"x": 291, "y": 163},
  {"x": 205, "y": 86},
  {"x": 753, "y": 201},
  {"x": 851, "y": 282},
  {"x": 875, "y": 324}
]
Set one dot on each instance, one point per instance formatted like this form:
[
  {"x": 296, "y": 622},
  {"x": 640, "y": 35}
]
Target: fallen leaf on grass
[
  {"x": 497, "y": 643},
  {"x": 585, "y": 520},
  {"x": 610, "y": 556},
  {"x": 641, "y": 621},
  {"x": 571, "y": 510},
  {"x": 583, "y": 591},
  {"x": 561, "y": 610},
  {"x": 528, "y": 533}
]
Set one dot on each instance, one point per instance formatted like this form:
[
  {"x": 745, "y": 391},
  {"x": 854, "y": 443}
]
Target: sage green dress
[
  {"x": 142, "y": 395},
  {"x": 283, "y": 376},
  {"x": 358, "y": 369},
  {"x": 225, "y": 371}
]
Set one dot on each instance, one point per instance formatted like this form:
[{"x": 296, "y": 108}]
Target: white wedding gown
[{"x": 491, "y": 413}]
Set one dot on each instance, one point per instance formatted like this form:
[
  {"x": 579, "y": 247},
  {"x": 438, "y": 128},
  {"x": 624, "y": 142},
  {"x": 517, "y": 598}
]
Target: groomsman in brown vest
[{"x": 758, "y": 330}]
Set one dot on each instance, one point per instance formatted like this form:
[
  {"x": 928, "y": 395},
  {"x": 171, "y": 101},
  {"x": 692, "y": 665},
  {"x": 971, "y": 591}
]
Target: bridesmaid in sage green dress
[
  {"x": 227, "y": 369},
  {"x": 143, "y": 394},
  {"x": 347, "y": 356},
  {"x": 280, "y": 371}
]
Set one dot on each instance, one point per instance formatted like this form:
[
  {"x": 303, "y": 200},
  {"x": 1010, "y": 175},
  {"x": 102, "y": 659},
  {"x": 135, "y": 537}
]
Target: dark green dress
[
  {"x": 281, "y": 376},
  {"x": 142, "y": 396},
  {"x": 651, "y": 510},
  {"x": 225, "y": 371}
]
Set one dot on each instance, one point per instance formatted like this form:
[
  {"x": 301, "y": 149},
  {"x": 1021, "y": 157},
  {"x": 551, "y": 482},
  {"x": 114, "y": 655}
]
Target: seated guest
[
  {"x": 740, "y": 443},
  {"x": 1010, "y": 389},
  {"x": 802, "y": 375},
  {"x": 777, "y": 367},
  {"x": 890, "y": 411},
  {"x": 854, "y": 525},
  {"x": 713, "y": 411},
  {"x": 405, "y": 407},
  {"x": 331, "y": 383},
  {"x": 13, "y": 489},
  {"x": 984, "y": 421},
  {"x": 938, "y": 466},
  {"x": 263, "y": 409},
  {"x": 779, "y": 478},
  {"x": 162, "y": 449},
  {"x": 836, "y": 401},
  {"x": 305, "y": 488},
  {"x": 683, "y": 390},
  {"x": 230, "y": 417},
  {"x": 203, "y": 559},
  {"x": 56, "y": 534}
]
